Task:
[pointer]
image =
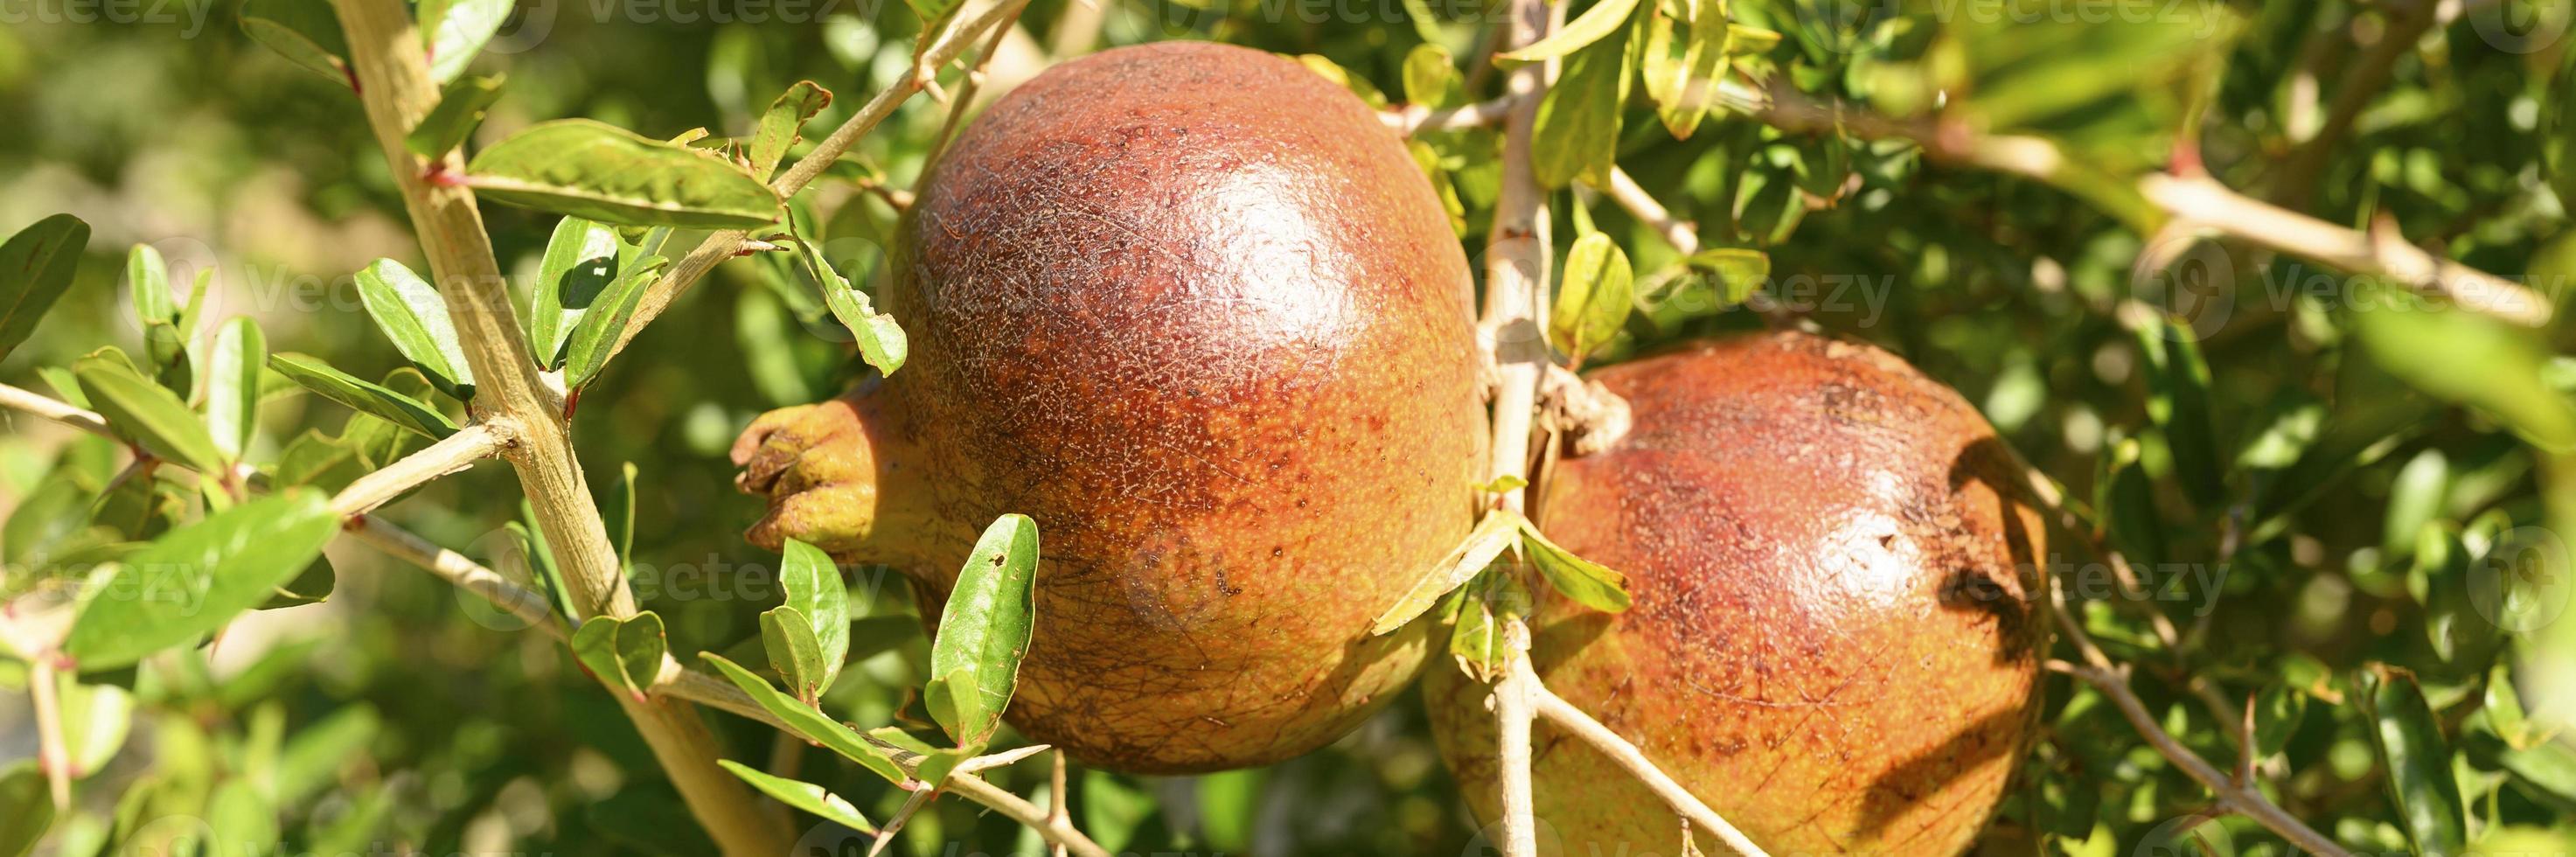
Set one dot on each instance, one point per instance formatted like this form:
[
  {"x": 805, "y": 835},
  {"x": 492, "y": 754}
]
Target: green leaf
[
  {"x": 457, "y": 30},
  {"x": 145, "y": 413},
  {"x": 147, "y": 278},
  {"x": 1683, "y": 59},
  {"x": 460, "y": 107},
  {"x": 1476, "y": 641},
  {"x": 95, "y": 719},
  {"x": 1593, "y": 301},
  {"x": 587, "y": 351},
  {"x": 36, "y": 266},
  {"x": 244, "y": 823},
  {"x": 539, "y": 559},
  {"x": 1431, "y": 78},
  {"x": 934, "y": 15},
  {"x": 195, "y": 578},
  {"x": 881, "y": 341},
  {"x": 802, "y": 795},
  {"x": 2408, "y": 736},
  {"x": 625, "y": 654},
  {"x": 781, "y": 122},
  {"x": 601, "y": 172},
  {"x": 813, "y": 586},
  {"x": 1493, "y": 534},
  {"x": 787, "y": 637},
  {"x": 26, "y": 810},
  {"x": 233, "y": 368},
  {"x": 411, "y": 313},
  {"x": 367, "y": 398},
  {"x": 984, "y": 631},
  {"x": 306, "y": 32},
  {"x": 808, "y": 723},
  {"x": 1576, "y": 135},
  {"x": 2486, "y": 363},
  {"x": 1588, "y": 583},
  {"x": 2558, "y": 133},
  {"x": 1586, "y": 30},
  {"x": 582, "y": 260},
  {"x": 2178, "y": 403}
]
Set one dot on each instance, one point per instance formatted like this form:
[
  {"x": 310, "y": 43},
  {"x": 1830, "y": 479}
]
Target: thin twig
[
  {"x": 451, "y": 454},
  {"x": 41, "y": 405},
  {"x": 1517, "y": 258},
  {"x": 1412, "y": 119},
  {"x": 680, "y": 682},
  {"x": 2198, "y": 199},
  {"x": 2244, "y": 798},
  {"x": 728, "y": 243},
  {"x": 2403, "y": 23},
  {"x": 52, "y": 752},
  {"x": 1056, "y": 800},
  {"x": 1565, "y": 716},
  {"x": 1679, "y": 233}
]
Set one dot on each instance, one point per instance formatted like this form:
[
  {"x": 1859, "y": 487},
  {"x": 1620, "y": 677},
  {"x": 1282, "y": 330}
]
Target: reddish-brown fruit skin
[
  {"x": 1195, "y": 310},
  {"x": 1834, "y": 638}
]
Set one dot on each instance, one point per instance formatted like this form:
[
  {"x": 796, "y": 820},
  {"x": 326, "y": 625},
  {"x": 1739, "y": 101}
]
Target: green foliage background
[{"x": 2351, "y": 471}]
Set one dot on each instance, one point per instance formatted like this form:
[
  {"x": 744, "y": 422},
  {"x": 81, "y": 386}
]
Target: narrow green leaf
[
  {"x": 2178, "y": 403},
  {"x": 587, "y": 350},
  {"x": 1495, "y": 533},
  {"x": 881, "y": 341},
  {"x": 243, "y": 821},
  {"x": 986, "y": 626},
  {"x": 460, "y": 107},
  {"x": 26, "y": 810},
  {"x": 146, "y": 413},
  {"x": 1431, "y": 78},
  {"x": 410, "y": 312},
  {"x": 601, "y": 172},
  {"x": 147, "y": 279},
  {"x": 1738, "y": 271},
  {"x": 956, "y": 702},
  {"x": 2420, "y": 782},
  {"x": 306, "y": 32},
  {"x": 1476, "y": 641},
  {"x": 539, "y": 559},
  {"x": 934, "y": 15},
  {"x": 2558, "y": 133},
  {"x": 2486, "y": 363},
  {"x": 1593, "y": 301},
  {"x": 36, "y": 266},
  {"x": 802, "y": 795},
  {"x": 1589, "y": 583},
  {"x": 808, "y": 723},
  {"x": 1683, "y": 58},
  {"x": 813, "y": 586},
  {"x": 781, "y": 122},
  {"x": 582, "y": 260},
  {"x": 233, "y": 369},
  {"x": 95, "y": 719},
  {"x": 787, "y": 637},
  {"x": 365, "y": 397},
  {"x": 456, "y": 30},
  {"x": 1576, "y": 134},
  {"x": 195, "y": 578},
  {"x": 1589, "y": 28}
]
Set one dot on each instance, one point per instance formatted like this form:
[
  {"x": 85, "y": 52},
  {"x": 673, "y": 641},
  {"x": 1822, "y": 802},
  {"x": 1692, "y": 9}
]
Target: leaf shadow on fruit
[
  {"x": 1918, "y": 779},
  {"x": 1970, "y": 587}
]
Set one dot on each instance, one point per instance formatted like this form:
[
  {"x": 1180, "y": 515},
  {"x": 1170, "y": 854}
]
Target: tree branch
[
  {"x": 2240, "y": 797},
  {"x": 729, "y": 243},
  {"x": 391, "y": 71},
  {"x": 2197, "y": 200},
  {"x": 1411, "y": 119},
  {"x": 1571, "y": 719},
  {"x": 452, "y": 454},
  {"x": 1641, "y": 205},
  {"x": 19, "y": 399}
]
